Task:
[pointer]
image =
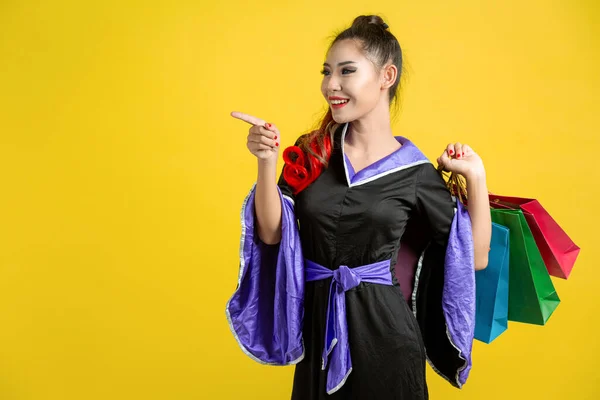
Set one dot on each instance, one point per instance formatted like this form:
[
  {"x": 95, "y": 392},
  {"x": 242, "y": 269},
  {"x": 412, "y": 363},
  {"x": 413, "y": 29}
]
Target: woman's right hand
[{"x": 263, "y": 138}]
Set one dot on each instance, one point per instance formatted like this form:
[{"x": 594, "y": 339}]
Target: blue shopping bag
[{"x": 491, "y": 308}]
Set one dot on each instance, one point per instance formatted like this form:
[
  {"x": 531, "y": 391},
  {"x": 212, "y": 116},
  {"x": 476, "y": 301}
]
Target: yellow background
[{"x": 122, "y": 177}]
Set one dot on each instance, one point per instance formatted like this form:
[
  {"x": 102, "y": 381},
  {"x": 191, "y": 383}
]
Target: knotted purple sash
[{"x": 336, "y": 331}]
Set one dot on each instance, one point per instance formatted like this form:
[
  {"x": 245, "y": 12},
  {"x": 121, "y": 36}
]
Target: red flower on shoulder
[{"x": 302, "y": 168}]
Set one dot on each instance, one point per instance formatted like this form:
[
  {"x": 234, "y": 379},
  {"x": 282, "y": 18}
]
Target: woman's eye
[{"x": 345, "y": 71}]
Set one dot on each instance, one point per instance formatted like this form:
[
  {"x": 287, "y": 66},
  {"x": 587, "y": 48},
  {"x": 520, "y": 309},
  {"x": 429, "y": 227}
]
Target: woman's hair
[{"x": 305, "y": 161}]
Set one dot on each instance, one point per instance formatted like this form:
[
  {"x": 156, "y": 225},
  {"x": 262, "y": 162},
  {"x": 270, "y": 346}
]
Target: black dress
[
  {"x": 354, "y": 226},
  {"x": 355, "y": 219}
]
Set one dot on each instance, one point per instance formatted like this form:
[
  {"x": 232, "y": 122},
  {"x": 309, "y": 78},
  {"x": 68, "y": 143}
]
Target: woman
[{"x": 323, "y": 281}]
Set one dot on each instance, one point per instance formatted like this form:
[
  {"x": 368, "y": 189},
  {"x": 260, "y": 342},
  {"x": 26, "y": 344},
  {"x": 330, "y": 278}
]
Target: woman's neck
[{"x": 372, "y": 133}]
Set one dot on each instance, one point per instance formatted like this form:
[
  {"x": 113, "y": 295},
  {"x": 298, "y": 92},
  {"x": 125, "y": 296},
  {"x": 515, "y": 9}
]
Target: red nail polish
[
  {"x": 451, "y": 152},
  {"x": 458, "y": 156},
  {"x": 275, "y": 138},
  {"x": 277, "y": 144},
  {"x": 268, "y": 125},
  {"x": 463, "y": 154}
]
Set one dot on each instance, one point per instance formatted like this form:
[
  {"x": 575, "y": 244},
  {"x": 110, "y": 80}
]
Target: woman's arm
[
  {"x": 481, "y": 220},
  {"x": 461, "y": 159},
  {"x": 268, "y": 202},
  {"x": 263, "y": 142}
]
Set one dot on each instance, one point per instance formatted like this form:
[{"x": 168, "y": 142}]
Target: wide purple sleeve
[
  {"x": 458, "y": 300},
  {"x": 444, "y": 290},
  {"x": 265, "y": 313}
]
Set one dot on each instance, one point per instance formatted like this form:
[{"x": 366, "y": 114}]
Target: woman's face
[{"x": 351, "y": 83}]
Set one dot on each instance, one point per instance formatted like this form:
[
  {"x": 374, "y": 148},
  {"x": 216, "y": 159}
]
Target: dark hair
[
  {"x": 380, "y": 46},
  {"x": 377, "y": 42}
]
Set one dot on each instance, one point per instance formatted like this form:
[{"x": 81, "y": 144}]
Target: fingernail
[
  {"x": 268, "y": 125},
  {"x": 463, "y": 154},
  {"x": 275, "y": 138},
  {"x": 451, "y": 152},
  {"x": 458, "y": 156},
  {"x": 277, "y": 144}
]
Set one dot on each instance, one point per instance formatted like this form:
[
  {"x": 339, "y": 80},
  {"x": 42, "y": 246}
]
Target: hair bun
[{"x": 363, "y": 21}]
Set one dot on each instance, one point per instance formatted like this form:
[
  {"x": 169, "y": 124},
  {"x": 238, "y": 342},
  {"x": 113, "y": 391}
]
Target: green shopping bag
[{"x": 532, "y": 298}]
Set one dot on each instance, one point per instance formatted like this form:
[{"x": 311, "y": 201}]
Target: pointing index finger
[{"x": 247, "y": 118}]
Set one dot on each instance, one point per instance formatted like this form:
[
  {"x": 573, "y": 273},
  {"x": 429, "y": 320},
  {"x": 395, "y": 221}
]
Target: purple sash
[{"x": 336, "y": 331}]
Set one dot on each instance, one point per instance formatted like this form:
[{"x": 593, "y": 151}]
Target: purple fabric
[
  {"x": 349, "y": 168},
  {"x": 459, "y": 288},
  {"x": 405, "y": 270},
  {"x": 266, "y": 310},
  {"x": 404, "y": 157},
  {"x": 336, "y": 332}
]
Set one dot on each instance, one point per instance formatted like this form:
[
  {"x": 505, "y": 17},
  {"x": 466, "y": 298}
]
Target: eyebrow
[{"x": 340, "y": 64}]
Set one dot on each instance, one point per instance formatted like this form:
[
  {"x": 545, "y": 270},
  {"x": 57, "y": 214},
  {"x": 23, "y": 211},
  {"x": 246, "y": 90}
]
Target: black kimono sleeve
[{"x": 444, "y": 295}]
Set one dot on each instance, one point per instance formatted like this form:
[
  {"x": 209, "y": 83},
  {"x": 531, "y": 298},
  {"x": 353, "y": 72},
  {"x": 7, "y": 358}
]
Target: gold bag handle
[{"x": 456, "y": 184}]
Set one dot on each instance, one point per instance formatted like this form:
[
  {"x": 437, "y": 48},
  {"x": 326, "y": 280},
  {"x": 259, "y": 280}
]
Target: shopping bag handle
[{"x": 455, "y": 183}]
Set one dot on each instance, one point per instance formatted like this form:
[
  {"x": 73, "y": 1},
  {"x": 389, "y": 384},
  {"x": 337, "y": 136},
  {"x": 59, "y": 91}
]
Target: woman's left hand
[{"x": 461, "y": 159}]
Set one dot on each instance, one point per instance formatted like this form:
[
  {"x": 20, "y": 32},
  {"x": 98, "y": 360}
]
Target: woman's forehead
[{"x": 345, "y": 50}]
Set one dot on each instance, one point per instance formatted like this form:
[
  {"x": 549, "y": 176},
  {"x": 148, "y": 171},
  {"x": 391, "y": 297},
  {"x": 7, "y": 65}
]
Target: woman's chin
[{"x": 340, "y": 118}]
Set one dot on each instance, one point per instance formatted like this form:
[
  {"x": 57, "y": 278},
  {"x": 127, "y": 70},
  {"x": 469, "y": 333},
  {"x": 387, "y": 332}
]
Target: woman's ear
[{"x": 389, "y": 74}]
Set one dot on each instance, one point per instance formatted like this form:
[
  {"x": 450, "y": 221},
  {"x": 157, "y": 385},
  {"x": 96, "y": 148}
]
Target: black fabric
[
  {"x": 436, "y": 209},
  {"x": 354, "y": 226}
]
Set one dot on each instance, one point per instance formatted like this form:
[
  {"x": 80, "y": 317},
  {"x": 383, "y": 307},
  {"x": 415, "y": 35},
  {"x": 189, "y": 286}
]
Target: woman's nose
[{"x": 334, "y": 84}]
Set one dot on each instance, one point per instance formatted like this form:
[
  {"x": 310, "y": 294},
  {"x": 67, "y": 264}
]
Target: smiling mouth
[{"x": 338, "y": 103}]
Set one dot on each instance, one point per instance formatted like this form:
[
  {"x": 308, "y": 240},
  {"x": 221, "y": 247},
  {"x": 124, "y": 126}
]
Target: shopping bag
[
  {"x": 532, "y": 297},
  {"x": 491, "y": 307},
  {"x": 558, "y": 251}
]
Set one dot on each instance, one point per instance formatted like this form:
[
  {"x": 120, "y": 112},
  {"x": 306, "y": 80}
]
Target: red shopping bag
[{"x": 558, "y": 250}]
